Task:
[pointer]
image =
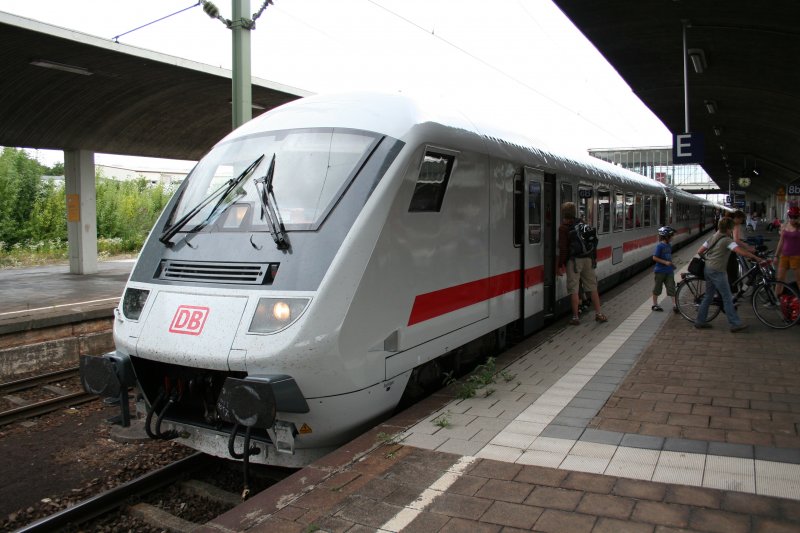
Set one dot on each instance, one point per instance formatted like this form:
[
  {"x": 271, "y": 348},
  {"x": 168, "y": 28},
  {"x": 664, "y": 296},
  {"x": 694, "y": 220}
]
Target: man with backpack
[{"x": 577, "y": 257}]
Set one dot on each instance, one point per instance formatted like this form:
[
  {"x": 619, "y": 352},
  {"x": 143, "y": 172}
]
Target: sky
[{"x": 516, "y": 63}]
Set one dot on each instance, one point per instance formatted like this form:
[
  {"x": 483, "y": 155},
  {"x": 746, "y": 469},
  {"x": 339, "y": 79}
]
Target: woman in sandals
[
  {"x": 579, "y": 270},
  {"x": 664, "y": 272}
]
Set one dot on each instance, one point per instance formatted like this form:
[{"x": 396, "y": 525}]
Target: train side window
[
  {"x": 648, "y": 206},
  {"x": 534, "y": 212},
  {"x": 603, "y": 211},
  {"x": 629, "y": 216},
  {"x": 638, "y": 211},
  {"x": 586, "y": 205},
  {"x": 619, "y": 210},
  {"x": 432, "y": 182}
]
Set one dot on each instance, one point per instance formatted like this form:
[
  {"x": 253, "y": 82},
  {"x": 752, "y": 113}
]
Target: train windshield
[{"x": 311, "y": 171}]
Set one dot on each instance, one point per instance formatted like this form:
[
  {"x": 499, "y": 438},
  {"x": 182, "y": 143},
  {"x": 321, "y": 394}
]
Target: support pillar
[{"x": 81, "y": 211}]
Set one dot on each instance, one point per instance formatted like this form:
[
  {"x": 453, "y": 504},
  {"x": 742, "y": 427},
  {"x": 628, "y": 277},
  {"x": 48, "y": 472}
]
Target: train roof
[{"x": 396, "y": 114}]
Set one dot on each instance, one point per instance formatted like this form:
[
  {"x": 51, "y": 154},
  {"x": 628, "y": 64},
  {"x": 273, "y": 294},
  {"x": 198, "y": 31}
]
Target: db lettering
[{"x": 189, "y": 320}]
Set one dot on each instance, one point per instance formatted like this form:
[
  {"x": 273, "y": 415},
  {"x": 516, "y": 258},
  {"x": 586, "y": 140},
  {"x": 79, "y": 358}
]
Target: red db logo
[{"x": 189, "y": 320}]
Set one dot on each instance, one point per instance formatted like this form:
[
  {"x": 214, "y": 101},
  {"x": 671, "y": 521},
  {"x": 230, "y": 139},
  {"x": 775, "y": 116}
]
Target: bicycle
[{"x": 775, "y": 310}]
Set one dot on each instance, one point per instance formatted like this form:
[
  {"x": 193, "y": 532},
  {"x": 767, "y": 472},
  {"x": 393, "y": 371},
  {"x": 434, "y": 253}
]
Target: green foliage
[{"x": 33, "y": 211}]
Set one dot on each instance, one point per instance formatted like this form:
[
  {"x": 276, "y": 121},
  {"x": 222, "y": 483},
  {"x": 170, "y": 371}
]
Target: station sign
[
  {"x": 793, "y": 189},
  {"x": 687, "y": 148},
  {"x": 738, "y": 203}
]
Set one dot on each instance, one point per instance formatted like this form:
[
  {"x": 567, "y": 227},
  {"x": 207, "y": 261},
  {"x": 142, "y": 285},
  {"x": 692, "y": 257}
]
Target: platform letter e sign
[{"x": 189, "y": 320}]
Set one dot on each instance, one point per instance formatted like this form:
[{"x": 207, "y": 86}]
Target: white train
[{"x": 321, "y": 260}]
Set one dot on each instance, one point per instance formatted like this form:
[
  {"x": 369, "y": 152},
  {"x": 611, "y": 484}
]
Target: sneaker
[
  {"x": 656, "y": 308},
  {"x": 675, "y": 309},
  {"x": 704, "y": 325},
  {"x": 740, "y": 327},
  {"x": 575, "y": 321}
]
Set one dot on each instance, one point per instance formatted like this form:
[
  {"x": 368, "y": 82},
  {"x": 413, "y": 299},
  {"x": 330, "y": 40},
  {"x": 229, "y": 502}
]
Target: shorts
[
  {"x": 789, "y": 261},
  {"x": 667, "y": 279},
  {"x": 584, "y": 279}
]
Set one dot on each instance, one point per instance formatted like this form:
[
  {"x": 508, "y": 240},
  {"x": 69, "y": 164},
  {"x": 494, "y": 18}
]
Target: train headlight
[
  {"x": 133, "y": 303},
  {"x": 274, "y": 314}
]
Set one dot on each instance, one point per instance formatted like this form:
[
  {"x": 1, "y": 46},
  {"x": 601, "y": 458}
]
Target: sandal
[
  {"x": 600, "y": 317},
  {"x": 675, "y": 309},
  {"x": 575, "y": 321},
  {"x": 656, "y": 308}
]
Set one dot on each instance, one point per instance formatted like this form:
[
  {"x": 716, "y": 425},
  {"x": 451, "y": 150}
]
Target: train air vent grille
[{"x": 206, "y": 272}]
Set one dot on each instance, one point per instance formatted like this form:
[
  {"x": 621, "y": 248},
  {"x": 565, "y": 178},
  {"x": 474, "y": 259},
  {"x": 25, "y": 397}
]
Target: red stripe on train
[{"x": 441, "y": 302}]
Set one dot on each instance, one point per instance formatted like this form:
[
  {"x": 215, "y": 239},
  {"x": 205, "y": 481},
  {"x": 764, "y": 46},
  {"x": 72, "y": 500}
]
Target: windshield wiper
[
  {"x": 269, "y": 207},
  {"x": 220, "y": 193}
]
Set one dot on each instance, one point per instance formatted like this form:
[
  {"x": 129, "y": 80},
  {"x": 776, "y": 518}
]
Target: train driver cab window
[
  {"x": 629, "y": 216},
  {"x": 432, "y": 182},
  {"x": 586, "y": 205},
  {"x": 603, "y": 211},
  {"x": 619, "y": 210},
  {"x": 648, "y": 206},
  {"x": 534, "y": 212}
]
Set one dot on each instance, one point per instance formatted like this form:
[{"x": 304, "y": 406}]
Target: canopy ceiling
[
  {"x": 751, "y": 76},
  {"x": 113, "y": 98}
]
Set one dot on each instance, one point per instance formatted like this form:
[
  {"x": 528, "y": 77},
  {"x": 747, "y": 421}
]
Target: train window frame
[
  {"x": 428, "y": 196},
  {"x": 534, "y": 210},
  {"x": 604, "y": 224},
  {"x": 566, "y": 197},
  {"x": 619, "y": 211},
  {"x": 647, "y": 216},
  {"x": 638, "y": 205},
  {"x": 630, "y": 211},
  {"x": 586, "y": 208}
]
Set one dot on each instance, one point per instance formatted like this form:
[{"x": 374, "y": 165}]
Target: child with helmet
[{"x": 664, "y": 272}]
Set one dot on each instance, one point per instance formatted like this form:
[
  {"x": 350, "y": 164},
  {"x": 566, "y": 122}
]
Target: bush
[{"x": 33, "y": 212}]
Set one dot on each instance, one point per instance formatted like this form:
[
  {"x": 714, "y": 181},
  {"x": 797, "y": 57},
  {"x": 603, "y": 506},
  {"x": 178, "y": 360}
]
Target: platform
[
  {"x": 643, "y": 423},
  {"x": 45, "y": 296}
]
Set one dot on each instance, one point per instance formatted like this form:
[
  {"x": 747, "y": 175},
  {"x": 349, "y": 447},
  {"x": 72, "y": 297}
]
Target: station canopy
[
  {"x": 65, "y": 90},
  {"x": 746, "y": 100}
]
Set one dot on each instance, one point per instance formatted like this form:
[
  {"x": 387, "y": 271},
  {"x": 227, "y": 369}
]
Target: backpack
[{"x": 582, "y": 240}]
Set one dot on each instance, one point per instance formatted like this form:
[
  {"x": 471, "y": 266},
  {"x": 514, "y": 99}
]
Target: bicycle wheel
[
  {"x": 689, "y": 294},
  {"x": 777, "y": 312}
]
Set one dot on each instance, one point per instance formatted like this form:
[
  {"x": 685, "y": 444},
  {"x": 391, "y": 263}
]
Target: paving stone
[
  {"x": 612, "y": 525},
  {"x": 459, "y": 525},
  {"x": 685, "y": 445},
  {"x": 555, "y": 498},
  {"x": 602, "y": 437},
  {"x": 553, "y": 521},
  {"x": 780, "y": 455},
  {"x": 541, "y": 476},
  {"x": 642, "y": 490},
  {"x": 648, "y": 442},
  {"x": 661, "y": 514},
  {"x": 562, "y": 432},
  {"x": 695, "y": 496},
  {"x": 606, "y": 505},
  {"x": 589, "y": 482},
  {"x": 719, "y": 521},
  {"x": 750, "y": 504},
  {"x": 727, "y": 449},
  {"x": 512, "y": 515},
  {"x": 459, "y": 506},
  {"x": 508, "y": 491}
]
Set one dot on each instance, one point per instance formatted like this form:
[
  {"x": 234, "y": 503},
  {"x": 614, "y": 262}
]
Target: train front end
[{"x": 228, "y": 324}]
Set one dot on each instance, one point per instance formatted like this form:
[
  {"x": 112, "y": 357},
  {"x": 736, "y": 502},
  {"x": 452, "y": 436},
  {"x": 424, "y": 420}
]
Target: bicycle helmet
[
  {"x": 794, "y": 211},
  {"x": 666, "y": 231}
]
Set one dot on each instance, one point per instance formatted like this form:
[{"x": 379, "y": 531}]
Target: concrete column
[{"x": 81, "y": 211}]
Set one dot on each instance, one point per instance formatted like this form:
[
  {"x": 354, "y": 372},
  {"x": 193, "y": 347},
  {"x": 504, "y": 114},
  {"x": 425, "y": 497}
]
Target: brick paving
[{"x": 670, "y": 422}]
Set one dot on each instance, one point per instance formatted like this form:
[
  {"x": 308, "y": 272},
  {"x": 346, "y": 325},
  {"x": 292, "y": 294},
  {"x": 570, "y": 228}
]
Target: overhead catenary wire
[
  {"x": 489, "y": 65},
  {"x": 116, "y": 37}
]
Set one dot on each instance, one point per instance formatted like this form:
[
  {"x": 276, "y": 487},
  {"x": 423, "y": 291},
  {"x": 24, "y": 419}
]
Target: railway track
[
  {"x": 63, "y": 398},
  {"x": 129, "y": 498},
  {"x": 114, "y": 498}
]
